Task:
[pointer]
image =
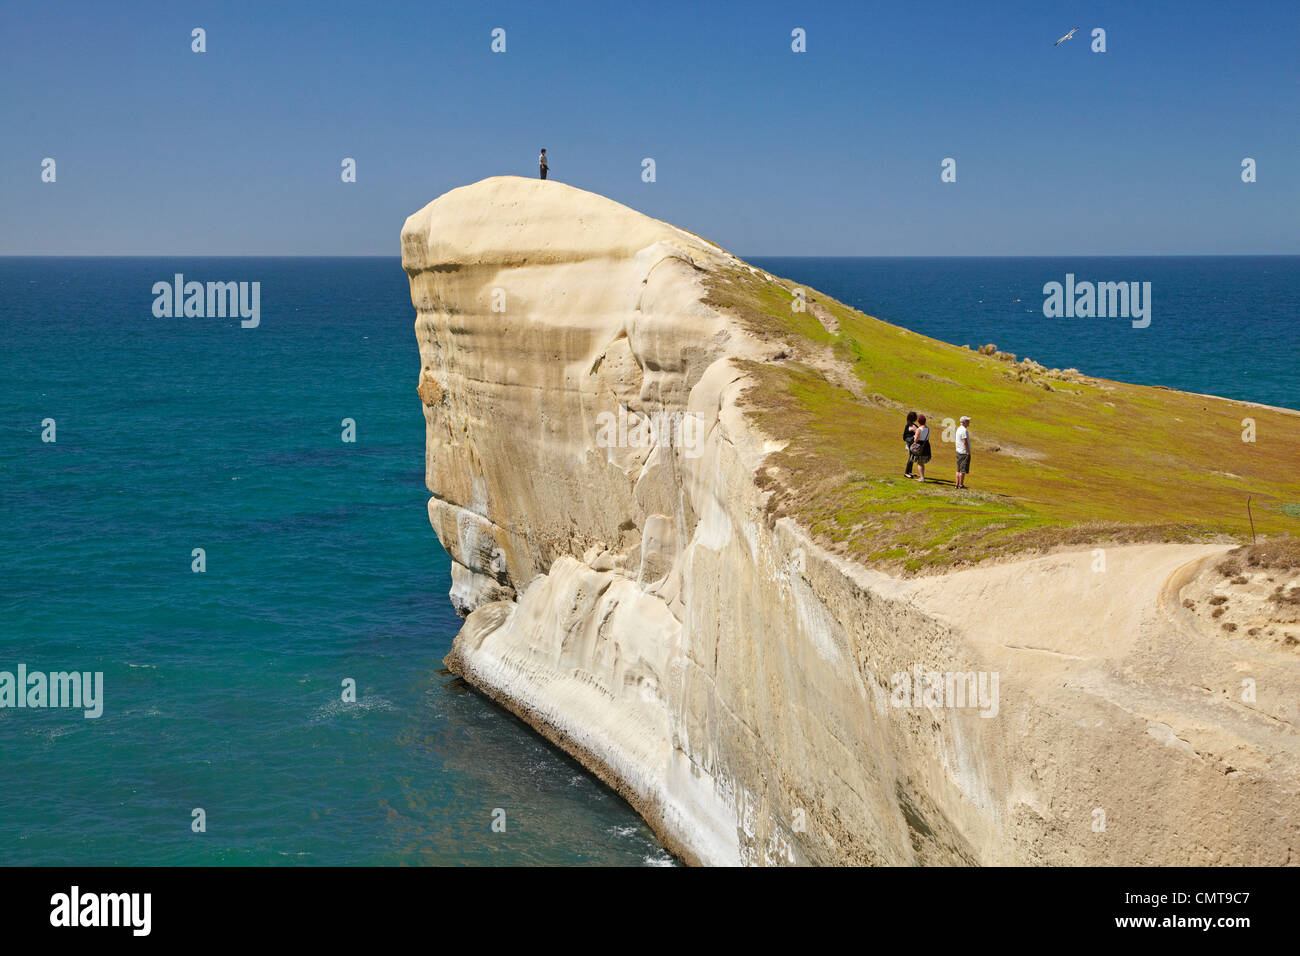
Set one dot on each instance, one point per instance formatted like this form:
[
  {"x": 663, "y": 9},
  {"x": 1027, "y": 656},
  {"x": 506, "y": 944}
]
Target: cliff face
[{"x": 597, "y": 481}]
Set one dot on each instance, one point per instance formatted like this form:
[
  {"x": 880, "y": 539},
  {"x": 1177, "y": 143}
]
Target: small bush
[
  {"x": 1289, "y": 597},
  {"x": 1278, "y": 554}
]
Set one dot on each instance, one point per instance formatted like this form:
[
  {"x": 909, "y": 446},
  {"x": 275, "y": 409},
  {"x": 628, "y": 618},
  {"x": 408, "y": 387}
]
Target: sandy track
[{"x": 1060, "y": 627}]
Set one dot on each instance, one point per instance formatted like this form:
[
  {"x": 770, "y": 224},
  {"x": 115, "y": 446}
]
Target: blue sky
[{"x": 835, "y": 151}]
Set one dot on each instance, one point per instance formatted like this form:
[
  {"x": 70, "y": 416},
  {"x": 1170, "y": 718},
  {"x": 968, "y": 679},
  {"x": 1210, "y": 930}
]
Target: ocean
[
  {"x": 1222, "y": 325},
  {"x": 223, "y": 689}
]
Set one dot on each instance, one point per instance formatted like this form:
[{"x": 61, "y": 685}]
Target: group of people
[
  {"x": 916, "y": 433},
  {"x": 916, "y": 436}
]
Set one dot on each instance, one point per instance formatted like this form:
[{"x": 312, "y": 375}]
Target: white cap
[{"x": 965, "y": 418}]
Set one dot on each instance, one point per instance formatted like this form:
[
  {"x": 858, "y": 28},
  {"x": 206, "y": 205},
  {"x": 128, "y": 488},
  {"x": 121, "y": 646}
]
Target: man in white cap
[{"x": 962, "y": 444}]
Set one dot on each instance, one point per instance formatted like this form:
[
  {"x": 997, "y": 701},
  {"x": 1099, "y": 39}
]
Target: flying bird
[{"x": 1066, "y": 37}]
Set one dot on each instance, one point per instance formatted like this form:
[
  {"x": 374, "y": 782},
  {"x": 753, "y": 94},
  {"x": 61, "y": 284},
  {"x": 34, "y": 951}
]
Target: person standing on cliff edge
[{"x": 541, "y": 162}]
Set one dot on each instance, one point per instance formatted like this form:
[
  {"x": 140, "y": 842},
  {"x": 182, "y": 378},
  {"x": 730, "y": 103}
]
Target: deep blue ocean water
[
  {"x": 1223, "y": 325},
  {"x": 223, "y": 689}
]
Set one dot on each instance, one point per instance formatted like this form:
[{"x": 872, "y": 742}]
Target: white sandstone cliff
[{"x": 732, "y": 679}]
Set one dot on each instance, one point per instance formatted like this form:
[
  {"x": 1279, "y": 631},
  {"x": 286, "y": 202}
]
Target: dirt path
[{"x": 1113, "y": 640}]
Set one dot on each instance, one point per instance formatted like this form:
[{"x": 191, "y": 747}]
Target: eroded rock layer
[{"x": 593, "y": 478}]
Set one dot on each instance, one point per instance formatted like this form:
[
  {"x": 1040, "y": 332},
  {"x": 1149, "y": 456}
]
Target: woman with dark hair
[
  {"x": 921, "y": 445},
  {"x": 908, "y": 431}
]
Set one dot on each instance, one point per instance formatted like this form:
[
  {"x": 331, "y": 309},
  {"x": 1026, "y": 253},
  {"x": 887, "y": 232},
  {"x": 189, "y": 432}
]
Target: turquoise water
[{"x": 223, "y": 688}]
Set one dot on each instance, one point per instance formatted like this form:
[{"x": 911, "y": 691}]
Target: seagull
[{"x": 1066, "y": 37}]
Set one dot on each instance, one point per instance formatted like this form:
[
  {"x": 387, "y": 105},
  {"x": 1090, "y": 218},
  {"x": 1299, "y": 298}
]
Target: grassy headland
[{"x": 1059, "y": 458}]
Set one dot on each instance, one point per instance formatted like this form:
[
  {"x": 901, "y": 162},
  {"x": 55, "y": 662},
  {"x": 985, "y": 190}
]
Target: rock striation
[{"x": 757, "y": 698}]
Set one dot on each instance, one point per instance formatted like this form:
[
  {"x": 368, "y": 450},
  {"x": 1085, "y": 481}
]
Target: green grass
[{"x": 1079, "y": 460}]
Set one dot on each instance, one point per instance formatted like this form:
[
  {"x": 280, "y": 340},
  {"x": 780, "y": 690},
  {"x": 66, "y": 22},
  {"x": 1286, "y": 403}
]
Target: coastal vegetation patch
[{"x": 1060, "y": 459}]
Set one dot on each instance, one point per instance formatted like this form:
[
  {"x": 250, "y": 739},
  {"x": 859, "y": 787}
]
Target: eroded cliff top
[{"x": 505, "y": 218}]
